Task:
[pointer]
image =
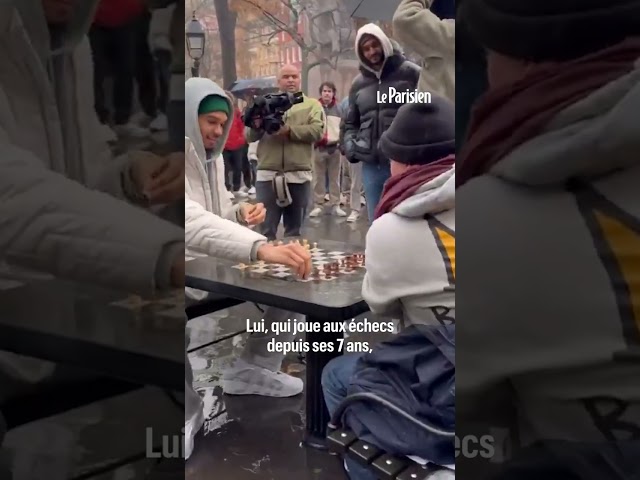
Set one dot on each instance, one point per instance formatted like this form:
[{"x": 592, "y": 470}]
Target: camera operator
[{"x": 285, "y": 159}]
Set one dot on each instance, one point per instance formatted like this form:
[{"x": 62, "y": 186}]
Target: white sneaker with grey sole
[
  {"x": 353, "y": 216},
  {"x": 316, "y": 212},
  {"x": 246, "y": 379}
]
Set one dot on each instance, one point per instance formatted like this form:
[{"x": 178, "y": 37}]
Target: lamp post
[{"x": 195, "y": 38}]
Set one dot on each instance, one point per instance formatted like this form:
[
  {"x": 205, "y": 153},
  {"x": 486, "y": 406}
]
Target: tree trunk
[
  {"x": 304, "y": 80},
  {"x": 227, "y": 28}
]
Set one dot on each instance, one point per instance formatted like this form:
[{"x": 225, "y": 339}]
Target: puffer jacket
[
  {"x": 211, "y": 220},
  {"x": 367, "y": 118},
  {"x": 53, "y": 158}
]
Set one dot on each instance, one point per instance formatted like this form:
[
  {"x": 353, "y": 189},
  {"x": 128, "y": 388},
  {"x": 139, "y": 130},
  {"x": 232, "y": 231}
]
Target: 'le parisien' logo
[{"x": 616, "y": 236}]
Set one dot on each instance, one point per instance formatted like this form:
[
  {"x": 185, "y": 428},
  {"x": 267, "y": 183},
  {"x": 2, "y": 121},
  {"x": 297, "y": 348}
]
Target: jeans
[
  {"x": 233, "y": 167},
  {"x": 292, "y": 216},
  {"x": 175, "y": 117},
  {"x": 336, "y": 377},
  {"x": 114, "y": 53},
  {"x": 373, "y": 179}
]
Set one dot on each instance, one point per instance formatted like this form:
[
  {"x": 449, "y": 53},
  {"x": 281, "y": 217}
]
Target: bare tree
[
  {"x": 329, "y": 35},
  {"x": 227, "y": 29}
]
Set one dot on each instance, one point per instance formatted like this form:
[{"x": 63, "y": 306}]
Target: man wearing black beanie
[{"x": 552, "y": 165}]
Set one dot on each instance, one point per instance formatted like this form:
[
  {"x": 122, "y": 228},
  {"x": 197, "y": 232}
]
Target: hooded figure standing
[
  {"x": 382, "y": 68},
  {"x": 215, "y": 227}
]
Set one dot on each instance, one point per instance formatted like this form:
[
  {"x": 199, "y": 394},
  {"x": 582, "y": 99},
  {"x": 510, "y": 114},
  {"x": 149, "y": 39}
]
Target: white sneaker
[
  {"x": 109, "y": 135},
  {"x": 246, "y": 379},
  {"x": 316, "y": 212},
  {"x": 244, "y": 189},
  {"x": 327, "y": 197},
  {"x": 252, "y": 191},
  {"x": 160, "y": 123},
  {"x": 131, "y": 130},
  {"x": 353, "y": 216},
  {"x": 339, "y": 212},
  {"x": 140, "y": 118},
  {"x": 363, "y": 201},
  {"x": 240, "y": 193}
]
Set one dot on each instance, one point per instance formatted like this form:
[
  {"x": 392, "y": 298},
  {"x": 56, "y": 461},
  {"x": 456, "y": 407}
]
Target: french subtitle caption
[{"x": 299, "y": 328}]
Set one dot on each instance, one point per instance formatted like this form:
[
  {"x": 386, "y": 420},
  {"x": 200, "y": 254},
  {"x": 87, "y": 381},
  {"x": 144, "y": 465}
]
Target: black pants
[
  {"x": 233, "y": 168},
  {"x": 113, "y": 52},
  {"x": 145, "y": 69},
  {"x": 163, "y": 74},
  {"x": 247, "y": 172},
  {"x": 292, "y": 216}
]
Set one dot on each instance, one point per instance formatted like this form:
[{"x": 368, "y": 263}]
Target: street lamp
[{"x": 195, "y": 38}]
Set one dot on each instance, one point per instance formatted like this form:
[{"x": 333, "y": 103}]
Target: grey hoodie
[
  {"x": 411, "y": 261},
  {"x": 552, "y": 306}
]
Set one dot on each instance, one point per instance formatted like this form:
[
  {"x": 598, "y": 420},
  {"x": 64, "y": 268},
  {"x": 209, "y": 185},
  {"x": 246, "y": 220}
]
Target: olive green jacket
[{"x": 295, "y": 153}]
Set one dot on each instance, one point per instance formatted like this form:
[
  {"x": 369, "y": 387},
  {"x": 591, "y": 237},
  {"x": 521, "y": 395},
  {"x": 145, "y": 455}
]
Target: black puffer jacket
[{"x": 367, "y": 118}]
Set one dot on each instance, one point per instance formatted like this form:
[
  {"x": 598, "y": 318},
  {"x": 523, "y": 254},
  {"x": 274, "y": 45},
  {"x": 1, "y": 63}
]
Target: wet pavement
[{"x": 244, "y": 437}]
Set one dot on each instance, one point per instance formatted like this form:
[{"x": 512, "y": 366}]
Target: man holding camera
[{"x": 283, "y": 182}]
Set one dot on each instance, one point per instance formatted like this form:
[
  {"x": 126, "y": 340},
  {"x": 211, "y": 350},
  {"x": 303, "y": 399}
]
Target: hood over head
[
  {"x": 375, "y": 31},
  {"x": 53, "y": 40},
  {"x": 196, "y": 90},
  {"x": 592, "y": 137},
  {"x": 435, "y": 196}
]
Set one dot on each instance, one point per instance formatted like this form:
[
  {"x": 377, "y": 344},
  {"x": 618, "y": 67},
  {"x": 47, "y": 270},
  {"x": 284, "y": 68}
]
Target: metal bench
[{"x": 343, "y": 442}]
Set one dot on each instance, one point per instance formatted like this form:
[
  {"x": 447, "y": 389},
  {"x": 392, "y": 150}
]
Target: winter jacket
[
  {"x": 416, "y": 372},
  {"x": 236, "y": 140},
  {"x": 410, "y": 257},
  {"x": 415, "y": 26},
  {"x": 52, "y": 147},
  {"x": 118, "y": 13},
  {"x": 334, "y": 109},
  {"x": 367, "y": 118},
  {"x": 293, "y": 154},
  {"x": 555, "y": 273},
  {"x": 211, "y": 220}
]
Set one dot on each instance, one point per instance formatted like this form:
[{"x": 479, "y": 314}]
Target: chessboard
[
  {"x": 328, "y": 265},
  {"x": 164, "y": 313}
]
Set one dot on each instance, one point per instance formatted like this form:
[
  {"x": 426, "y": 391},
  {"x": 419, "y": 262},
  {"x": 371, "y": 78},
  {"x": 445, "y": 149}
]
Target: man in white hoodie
[{"x": 216, "y": 227}]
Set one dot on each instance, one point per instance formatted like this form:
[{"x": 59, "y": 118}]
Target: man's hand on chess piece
[
  {"x": 159, "y": 179},
  {"x": 253, "y": 214},
  {"x": 292, "y": 255}
]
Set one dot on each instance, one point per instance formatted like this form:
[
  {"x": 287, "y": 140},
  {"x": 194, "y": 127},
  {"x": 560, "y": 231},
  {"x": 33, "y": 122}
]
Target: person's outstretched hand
[
  {"x": 160, "y": 179},
  {"x": 254, "y": 214},
  {"x": 292, "y": 255}
]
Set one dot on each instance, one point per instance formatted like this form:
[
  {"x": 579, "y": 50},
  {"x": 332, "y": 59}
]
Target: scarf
[
  {"x": 400, "y": 187},
  {"x": 506, "y": 117}
]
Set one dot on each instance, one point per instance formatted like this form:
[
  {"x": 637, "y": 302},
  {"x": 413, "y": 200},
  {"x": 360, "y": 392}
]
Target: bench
[{"x": 343, "y": 442}]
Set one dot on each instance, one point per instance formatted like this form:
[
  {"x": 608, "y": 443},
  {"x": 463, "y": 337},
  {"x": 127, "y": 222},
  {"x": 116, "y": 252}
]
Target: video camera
[{"x": 270, "y": 109}]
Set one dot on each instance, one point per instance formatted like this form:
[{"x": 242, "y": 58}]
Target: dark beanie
[
  {"x": 552, "y": 30},
  {"x": 421, "y": 133}
]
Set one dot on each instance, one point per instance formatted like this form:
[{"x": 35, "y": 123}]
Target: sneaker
[
  {"x": 244, "y": 189},
  {"x": 363, "y": 201},
  {"x": 339, "y": 212},
  {"x": 140, "y": 118},
  {"x": 316, "y": 212},
  {"x": 240, "y": 193},
  {"x": 353, "y": 216},
  {"x": 131, "y": 130},
  {"x": 327, "y": 197},
  {"x": 246, "y": 379},
  {"x": 109, "y": 134},
  {"x": 160, "y": 123},
  {"x": 230, "y": 195},
  {"x": 252, "y": 191}
]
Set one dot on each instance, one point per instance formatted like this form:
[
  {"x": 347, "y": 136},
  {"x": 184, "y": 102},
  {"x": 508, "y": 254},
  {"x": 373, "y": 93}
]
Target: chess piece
[
  {"x": 305, "y": 242},
  {"x": 315, "y": 244}
]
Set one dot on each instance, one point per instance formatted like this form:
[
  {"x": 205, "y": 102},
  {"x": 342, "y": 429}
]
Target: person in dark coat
[{"x": 383, "y": 68}]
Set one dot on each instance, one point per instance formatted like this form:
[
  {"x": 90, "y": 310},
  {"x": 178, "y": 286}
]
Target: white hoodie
[
  {"x": 211, "y": 220},
  {"x": 410, "y": 260}
]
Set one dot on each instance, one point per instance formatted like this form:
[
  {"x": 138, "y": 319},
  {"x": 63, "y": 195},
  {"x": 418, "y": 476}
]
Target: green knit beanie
[{"x": 213, "y": 103}]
